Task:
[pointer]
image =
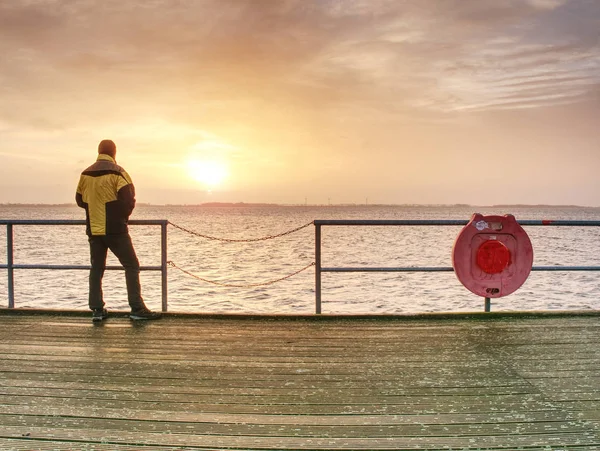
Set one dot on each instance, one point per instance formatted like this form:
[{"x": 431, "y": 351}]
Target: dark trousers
[{"x": 122, "y": 247}]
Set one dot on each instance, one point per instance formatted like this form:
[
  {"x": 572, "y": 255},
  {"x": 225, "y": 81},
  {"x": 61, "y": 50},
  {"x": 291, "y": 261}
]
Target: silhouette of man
[{"x": 107, "y": 194}]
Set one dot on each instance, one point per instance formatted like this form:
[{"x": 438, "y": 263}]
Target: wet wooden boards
[{"x": 268, "y": 384}]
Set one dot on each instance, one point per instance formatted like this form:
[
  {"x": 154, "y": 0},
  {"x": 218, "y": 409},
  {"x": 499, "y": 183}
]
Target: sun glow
[{"x": 208, "y": 172}]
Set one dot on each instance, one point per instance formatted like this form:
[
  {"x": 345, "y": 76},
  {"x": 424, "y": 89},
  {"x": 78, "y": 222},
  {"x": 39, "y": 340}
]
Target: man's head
[{"x": 107, "y": 147}]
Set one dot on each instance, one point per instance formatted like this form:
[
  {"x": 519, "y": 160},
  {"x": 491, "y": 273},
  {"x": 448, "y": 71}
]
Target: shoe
[
  {"x": 99, "y": 314},
  {"x": 144, "y": 314}
]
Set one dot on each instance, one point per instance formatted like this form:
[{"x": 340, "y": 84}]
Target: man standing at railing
[{"x": 107, "y": 194}]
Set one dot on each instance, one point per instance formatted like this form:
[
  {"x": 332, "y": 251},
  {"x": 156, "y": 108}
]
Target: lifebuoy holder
[{"x": 492, "y": 255}]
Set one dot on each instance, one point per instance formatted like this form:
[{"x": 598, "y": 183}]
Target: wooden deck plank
[
  {"x": 489, "y": 406},
  {"x": 216, "y": 383},
  {"x": 262, "y": 395},
  {"x": 164, "y": 438},
  {"x": 15, "y": 386},
  {"x": 372, "y": 431},
  {"x": 296, "y": 419},
  {"x": 30, "y": 444}
]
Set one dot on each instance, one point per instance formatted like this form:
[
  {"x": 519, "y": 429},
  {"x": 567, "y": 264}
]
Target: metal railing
[
  {"x": 10, "y": 265},
  {"x": 319, "y": 269}
]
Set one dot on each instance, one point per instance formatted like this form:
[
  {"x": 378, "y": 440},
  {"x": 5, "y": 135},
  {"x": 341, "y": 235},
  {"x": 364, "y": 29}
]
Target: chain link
[
  {"x": 249, "y": 285},
  {"x": 248, "y": 240}
]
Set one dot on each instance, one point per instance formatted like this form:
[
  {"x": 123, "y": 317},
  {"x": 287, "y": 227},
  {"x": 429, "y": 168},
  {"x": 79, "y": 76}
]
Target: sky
[{"x": 478, "y": 102}]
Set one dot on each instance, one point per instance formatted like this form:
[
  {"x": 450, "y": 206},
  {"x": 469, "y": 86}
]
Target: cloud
[
  {"x": 216, "y": 60},
  {"x": 547, "y": 4}
]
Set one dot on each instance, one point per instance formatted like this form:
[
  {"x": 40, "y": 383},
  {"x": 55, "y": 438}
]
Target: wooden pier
[{"x": 269, "y": 383}]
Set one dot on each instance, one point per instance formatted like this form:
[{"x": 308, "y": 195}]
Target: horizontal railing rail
[
  {"x": 451, "y": 269},
  {"x": 152, "y": 222},
  {"x": 75, "y": 267},
  {"x": 10, "y": 265},
  {"x": 319, "y": 269},
  {"x": 445, "y": 222}
]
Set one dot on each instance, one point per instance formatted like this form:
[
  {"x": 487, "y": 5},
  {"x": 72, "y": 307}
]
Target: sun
[{"x": 208, "y": 172}]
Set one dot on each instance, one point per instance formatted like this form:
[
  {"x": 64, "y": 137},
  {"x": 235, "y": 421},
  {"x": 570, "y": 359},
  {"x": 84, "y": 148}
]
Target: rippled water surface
[{"x": 257, "y": 262}]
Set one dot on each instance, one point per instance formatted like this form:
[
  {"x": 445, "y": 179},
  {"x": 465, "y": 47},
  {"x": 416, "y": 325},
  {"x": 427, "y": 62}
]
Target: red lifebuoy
[{"x": 492, "y": 255}]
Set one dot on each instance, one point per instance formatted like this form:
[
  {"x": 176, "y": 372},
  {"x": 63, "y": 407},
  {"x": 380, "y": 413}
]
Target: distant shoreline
[{"x": 250, "y": 205}]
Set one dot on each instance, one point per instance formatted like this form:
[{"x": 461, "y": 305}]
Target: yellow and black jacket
[{"x": 106, "y": 192}]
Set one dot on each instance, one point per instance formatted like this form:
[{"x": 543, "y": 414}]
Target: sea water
[{"x": 252, "y": 263}]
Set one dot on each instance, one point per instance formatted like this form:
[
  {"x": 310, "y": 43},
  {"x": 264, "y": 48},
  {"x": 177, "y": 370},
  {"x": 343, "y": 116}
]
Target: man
[{"x": 107, "y": 194}]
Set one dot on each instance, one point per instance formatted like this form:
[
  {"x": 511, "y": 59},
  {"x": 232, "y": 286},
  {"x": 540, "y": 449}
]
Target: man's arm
[
  {"x": 126, "y": 193},
  {"x": 79, "y": 194},
  {"x": 126, "y": 196}
]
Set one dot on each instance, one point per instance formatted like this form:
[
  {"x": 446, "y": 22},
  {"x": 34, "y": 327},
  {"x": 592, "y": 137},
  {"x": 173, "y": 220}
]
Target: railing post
[
  {"x": 488, "y": 305},
  {"x": 163, "y": 264},
  {"x": 9, "y": 265},
  {"x": 318, "y": 269}
]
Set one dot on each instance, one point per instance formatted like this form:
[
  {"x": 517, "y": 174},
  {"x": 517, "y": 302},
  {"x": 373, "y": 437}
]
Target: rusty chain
[
  {"x": 250, "y": 285},
  {"x": 248, "y": 240}
]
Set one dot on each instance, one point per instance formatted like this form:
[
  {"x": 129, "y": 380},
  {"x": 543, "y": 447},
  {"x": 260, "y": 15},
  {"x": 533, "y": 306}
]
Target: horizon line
[{"x": 275, "y": 204}]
